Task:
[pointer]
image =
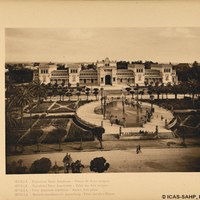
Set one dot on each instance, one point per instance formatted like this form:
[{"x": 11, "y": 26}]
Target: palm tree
[
  {"x": 96, "y": 92},
  {"x": 87, "y": 92},
  {"x": 11, "y": 122},
  {"x": 69, "y": 94},
  {"x": 193, "y": 86},
  {"x": 128, "y": 89},
  {"x": 50, "y": 91},
  {"x": 39, "y": 90},
  {"x": 167, "y": 89},
  {"x": 141, "y": 93},
  {"x": 59, "y": 133},
  {"x": 65, "y": 89},
  {"x": 175, "y": 89},
  {"x": 60, "y": 91},
  {"x": 36, "y": 134},
  {"x": 78, "y": 93},
  {"x": 136, "y": 90},
  {"x": 162, "y": 89},
  {"x": 183, "y": 88},
  {"x": 132, "y": 92},
  {"x": 23, "y": 98},
  {"x": 10, "y": 90}
]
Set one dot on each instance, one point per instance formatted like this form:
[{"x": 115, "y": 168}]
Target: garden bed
[
  {"x": 40, "y": 108},
  {"x": 76, "y": 132},
  {"x": 32, "y": 137}
]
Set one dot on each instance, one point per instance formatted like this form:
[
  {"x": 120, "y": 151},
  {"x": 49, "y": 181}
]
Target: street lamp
[
  {"x": 123, "y": 106},
  {"x": 104, "y": 106},
  {"x": 136, "y": 89},
  {"x": 151, "y": 98}
]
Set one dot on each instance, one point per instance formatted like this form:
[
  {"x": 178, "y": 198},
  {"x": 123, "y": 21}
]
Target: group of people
[
  {"x": 75, "y": 167},
  {"x": 114, "y": 120}
]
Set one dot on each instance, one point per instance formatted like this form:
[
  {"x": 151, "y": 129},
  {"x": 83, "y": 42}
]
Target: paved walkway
[
  {"x": 86, "y": 113},
  {"x": 150, "y": 160}
]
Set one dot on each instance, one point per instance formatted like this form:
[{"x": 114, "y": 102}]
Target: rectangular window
[
  {"x": 113, "y": 78},
  {"x": 102, "y": 80}
]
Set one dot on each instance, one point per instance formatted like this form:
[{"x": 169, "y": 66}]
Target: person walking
[{"x": 139, "y": 149}]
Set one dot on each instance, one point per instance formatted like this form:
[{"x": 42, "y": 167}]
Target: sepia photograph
[{"x": 102, "y": 100}]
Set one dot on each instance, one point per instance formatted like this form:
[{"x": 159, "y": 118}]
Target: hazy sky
[{"x": 91, "y": 44}]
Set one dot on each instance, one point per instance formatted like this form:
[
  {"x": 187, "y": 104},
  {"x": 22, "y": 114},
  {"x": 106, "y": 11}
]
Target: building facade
[{"x": 106, "y": 73}]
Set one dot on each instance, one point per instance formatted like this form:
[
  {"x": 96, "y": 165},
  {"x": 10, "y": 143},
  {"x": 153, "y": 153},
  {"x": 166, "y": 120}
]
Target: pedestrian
[
  {"x": 139, "y": 149},
  {"x": 67, "y": 160},
  {"x": 55, "y": 168}
]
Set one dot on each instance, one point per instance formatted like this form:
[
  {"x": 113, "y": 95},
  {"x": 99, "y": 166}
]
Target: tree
[
  {"x": 132, "y": 92},
  {"x": 68, "y": 94},
  {"x": 11, "y": 121},
  {"x": 141, "y": 93},
  {"x": 96, "y": 92},
  {"x": 65, "y": 89},
  {"x": 167, "y": 89},
  {"x": 60, "y": 91},
  {"x": 35, "y": 137},
  {"x": 69, "y": 85},
  {"x": 183, "y": 88},
  {"x": 175, "y": 90},
  {"x": 39, "y": 90},
  {"x": 23, "y": 98},
  {"x": 58, "y": 133},
  {"x": 158, "y": 90},
  {"x": 87, "y": 92},
  {"x": 50, "y": 92},
  {"x": 128, "y": 89},
  {"x": 193, "y": 87},
  {"x": 78, "y": 93},
  {"x": 98, "y": 133},
  {"x": 99, "y": 165}
]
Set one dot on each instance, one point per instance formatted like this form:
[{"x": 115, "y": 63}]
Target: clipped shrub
[
  {"x": 99, "y": 165},
  {"x": 40, "y": 166}
]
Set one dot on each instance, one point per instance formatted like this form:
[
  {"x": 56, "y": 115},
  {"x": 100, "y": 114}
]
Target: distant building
[{"x": 106, "y": 73}]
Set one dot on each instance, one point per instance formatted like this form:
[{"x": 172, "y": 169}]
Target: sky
[{"x": 176, "y": 45}]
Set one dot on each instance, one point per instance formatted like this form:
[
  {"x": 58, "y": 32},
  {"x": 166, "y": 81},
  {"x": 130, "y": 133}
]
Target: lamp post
[
  {"x": 151, "y": 98},
  {"x": 104, "y": 107},
  {"x": 123, "y": 107},
  {"x": 101, "y": 93}
]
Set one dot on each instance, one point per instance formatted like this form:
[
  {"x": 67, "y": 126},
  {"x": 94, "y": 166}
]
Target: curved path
[{"x": 86, "y": 113}]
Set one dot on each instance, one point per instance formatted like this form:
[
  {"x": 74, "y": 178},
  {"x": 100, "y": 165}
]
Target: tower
[
  {"x": 139, "y": 73},
  {"x": 74, "y": 74}
]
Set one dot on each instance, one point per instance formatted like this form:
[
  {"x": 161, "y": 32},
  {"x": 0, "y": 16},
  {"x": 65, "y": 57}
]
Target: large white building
[{"x": 106, "y": 73}]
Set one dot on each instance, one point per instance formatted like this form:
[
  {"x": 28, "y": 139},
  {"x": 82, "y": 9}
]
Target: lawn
[
  {"x": 41, "y": 107},
  {"x": 76, "y": 132}
]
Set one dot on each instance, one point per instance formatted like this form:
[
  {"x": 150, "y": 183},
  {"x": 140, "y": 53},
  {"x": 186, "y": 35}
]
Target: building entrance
[{"x": 108, "y": 80}]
